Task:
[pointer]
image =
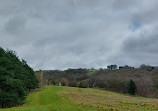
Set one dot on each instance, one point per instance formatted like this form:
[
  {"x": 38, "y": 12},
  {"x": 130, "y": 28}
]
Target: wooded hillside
[{"x": 145, "y": 79}]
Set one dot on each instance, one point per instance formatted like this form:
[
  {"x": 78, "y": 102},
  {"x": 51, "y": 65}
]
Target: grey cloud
[
  {"x": 57, "y": 34},
  {"x": 141, "y": 48},
  {"x": 15, "y": 25},
  {"x": 124, "y": 4},
  {"x": 144, "y": 42}
]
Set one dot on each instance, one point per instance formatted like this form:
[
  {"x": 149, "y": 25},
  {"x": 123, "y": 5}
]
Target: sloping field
[{"x": 55, "y": 98}]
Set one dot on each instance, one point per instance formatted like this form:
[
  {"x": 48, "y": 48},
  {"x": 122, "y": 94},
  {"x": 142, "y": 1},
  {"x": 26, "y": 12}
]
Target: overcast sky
[{"x": 60, "y": 34}]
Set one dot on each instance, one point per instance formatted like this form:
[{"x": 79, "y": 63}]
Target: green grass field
[{"x": 56, "y": 98}]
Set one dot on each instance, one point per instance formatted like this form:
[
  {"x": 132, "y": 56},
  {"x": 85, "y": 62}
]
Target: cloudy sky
[{"x": 59, "y": 34}]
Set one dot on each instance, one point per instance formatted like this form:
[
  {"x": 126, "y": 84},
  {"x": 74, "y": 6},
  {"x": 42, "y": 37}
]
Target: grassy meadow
[{"x": 56, "y": 98}]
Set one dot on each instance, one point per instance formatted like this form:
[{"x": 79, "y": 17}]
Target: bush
[
  {"x": 64, "y": 82},
  {"x": 83, "y": 84},
  {"x": 73, "y": 83}
]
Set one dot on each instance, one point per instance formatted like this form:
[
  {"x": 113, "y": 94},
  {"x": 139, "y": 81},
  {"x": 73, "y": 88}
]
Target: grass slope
[
  {"x": 55, "y": 98},
  {"x": 92, "y": 72}
]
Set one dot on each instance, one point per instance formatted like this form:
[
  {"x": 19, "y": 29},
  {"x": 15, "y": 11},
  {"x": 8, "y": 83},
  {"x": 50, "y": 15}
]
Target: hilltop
[{"x": 117, "y": 80}]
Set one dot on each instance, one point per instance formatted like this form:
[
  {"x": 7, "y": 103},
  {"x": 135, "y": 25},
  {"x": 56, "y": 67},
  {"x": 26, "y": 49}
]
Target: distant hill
[{"x": 145, "y": 77}]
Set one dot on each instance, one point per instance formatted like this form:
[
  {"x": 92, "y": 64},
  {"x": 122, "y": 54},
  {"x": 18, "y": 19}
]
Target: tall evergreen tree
[{"x": 132, "y": 87}]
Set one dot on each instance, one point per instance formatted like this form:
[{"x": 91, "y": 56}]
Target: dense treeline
[
  {"x": 142, "y": 81},
  {"x": 16, "y": 79}
]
